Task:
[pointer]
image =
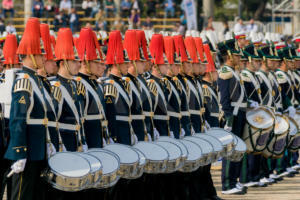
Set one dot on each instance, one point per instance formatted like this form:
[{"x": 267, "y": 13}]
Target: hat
[
  {"x": 47, "y": 46},
  {"x": 169, "y": 49},
  {"x": 86, "y": 46},
  {"x": 240, "y": 35},
  {"x": 279, "y": 45},
  {"x": 284, "y": 54},
  {"x": 64, "y": 48},
  {"x": 294, "y": 53},
  {"x": 210, "y": 67},
  {"x": 232, "y": 47},
  {"x": 99, "y": 52},
  {"x": 115, "y": 54},
  {"x": 131, "y": 45},
  {"x": 180, "y": 48},
  {"x": 157, "y": 49},
  {"x": 10, "y": 50},
  {"x": 267, "y": 52},
  {"x": 30, "y": 43},
  {"x": 296, "y": 39},
  {"x": 142, "y": 42},
  {"x": 53, "y": 41},
  {"x": 191, "y": 49},
  {"x": 251, "y": 52},
  {"x": 199, "y": 47}
]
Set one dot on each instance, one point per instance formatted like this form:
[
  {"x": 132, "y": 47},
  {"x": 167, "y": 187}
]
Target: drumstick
[{"x": 10, "y": 174}]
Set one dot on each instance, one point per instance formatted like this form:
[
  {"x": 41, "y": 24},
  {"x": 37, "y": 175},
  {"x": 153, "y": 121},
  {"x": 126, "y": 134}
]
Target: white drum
[
  {"x": 129, "y": 159},
  {"x": 111, "y": 165},
  {"x": 192, "y": 162},
  {"x": 206, "y": 147},
  {"x": 239, "y": 150},
  {"x": 68, "y": 172},
  {"x": 156, "y": 155},
  {"x": 142, "y": 162},
  {"x": 294, "y": 135},
  {"x": 175, "y": 154},
  {"x": 96, "y": 169},
  {"x": 217, "y": 145}
]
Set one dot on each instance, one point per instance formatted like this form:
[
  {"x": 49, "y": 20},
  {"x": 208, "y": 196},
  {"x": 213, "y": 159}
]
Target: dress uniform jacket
[
  {"x": 267, "y": 92},
  {"x": 147, "y": 104},
  {"x": 92, "y": 112},
  {"x": 276, "y": 91},
  {"x": 184, "y": 108},
  {"x": 296, "y": 81},
  {"x": 251, "y": 84},
  {"x": 117, "y": 100},
  {"x": 159, "y": 102},
  {"x": 174, "y": 104},
  {"x": 287, "y": 89},
  {"x": 28, "y": 118},
  {"x": 136, "y": 108},
  {"x": 65, "y": 93}
]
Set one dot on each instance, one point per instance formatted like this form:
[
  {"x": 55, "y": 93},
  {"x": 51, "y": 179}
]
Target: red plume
[
  {"x": 44, "y": 28},
  {"x": 64, "y": 48},
  {"x": 142, "y": 42},
  {"x": 199, "y": 46},
  {"x": 157, "y": 49},
  {"x": 211, "y": 64},
  {"x": 10, "y": 50},
  {"x": 191, "y": 48},
  {"x": 180, "y": 48},
  {"x": 115, "y": 49},
  {"x": 131, "y": 45},
  {"x": 86, "y": 46},
  {"x": 169, "y": 49}
]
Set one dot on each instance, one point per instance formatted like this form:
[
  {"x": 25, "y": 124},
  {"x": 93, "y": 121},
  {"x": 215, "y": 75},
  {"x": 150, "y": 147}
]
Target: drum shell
[
  {"x": 190, "y": 166},
  {"x": 276, "y": 139},
  {"x": 140, "y": 168},
  {"x": 108, "y": 180},
  {"x": 294, "y": 139},
  {"x": 156, "y": 167},
  {"x": 128, "y": 171}
]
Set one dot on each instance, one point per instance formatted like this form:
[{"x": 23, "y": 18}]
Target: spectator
[
  {"x": 226, "y": 27},
  {"x": 118, "y": 25},
  {"x": 239, "y": 26},
  {"x": 109, "y": 7},
  {"x": 148, "y": 25},
  {"x": 65, "y": 6},
  {"x": 37, "y": 8},
  {"x": 134, "y": 19},
  {"x": 95, "y": 8},
  {"x": 209, "y": 25},
  {"x": 151, "y": 6},
  {"x": 74, "y": 20},
  {"x": 8, "y": 6},
  {"x": 169, "y": 8},
  {"x": 1, "y": 14},
  {"x": 10, "y": 28},
  {"x": 125, "y": 8},
  {"x": 49, "y": 7},
  {"x": 2, "y": 26},
  {"x": 88, "y": 25},
  {"x": 60, "y": 21},
  {"x": 87, "y": 6},
  {"x": 137, "y": 5},
  {"x": 252, "y": 27},
  {"x": 100, "y": 21}
]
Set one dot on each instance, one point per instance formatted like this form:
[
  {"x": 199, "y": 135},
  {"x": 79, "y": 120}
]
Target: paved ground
[{"x": 288, "y": 189}]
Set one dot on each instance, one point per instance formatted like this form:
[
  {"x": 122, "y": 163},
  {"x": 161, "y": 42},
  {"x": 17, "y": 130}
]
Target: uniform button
[
  {"x": 25, "y": 149},
  {"x": 18, "y": 150}
]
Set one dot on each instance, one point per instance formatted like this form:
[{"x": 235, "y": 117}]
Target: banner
[{"x": 190, "y": 13}]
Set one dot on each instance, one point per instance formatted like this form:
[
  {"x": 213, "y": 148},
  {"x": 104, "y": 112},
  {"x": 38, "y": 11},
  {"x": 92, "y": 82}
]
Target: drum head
[
  {"x": 95, "y": 163},
  {"x": 217, "y": 145},
  {"x": 223, "y": 136},
  {"x": 281, "y": 125},
  {"x": 142, "y": 157},
  {"x": 204, "y": 145},
  {"x": 152, "y": 151},
  {"x": 240, "y": 145},
  {"x": 177, "y": 142},
  {"x": 293, "y": 127},
  {"x": 126, "y": 154},
  {"x": 260, "y": 118},
  {"x": 194, "y": 151},
  {"x": 173, "y": 150},
  {"x": 69, "y": 164},
  {"x": 109, "y": 160}
]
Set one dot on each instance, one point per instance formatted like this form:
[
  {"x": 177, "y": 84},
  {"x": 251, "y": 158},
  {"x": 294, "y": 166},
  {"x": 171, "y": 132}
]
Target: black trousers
[{"x": 4, "y": 181}]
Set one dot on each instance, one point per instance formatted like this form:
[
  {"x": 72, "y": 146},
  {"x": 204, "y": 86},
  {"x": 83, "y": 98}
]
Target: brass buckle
[
  {"x": 45, "y": 121},
  {"x": 77, "y": 127}
]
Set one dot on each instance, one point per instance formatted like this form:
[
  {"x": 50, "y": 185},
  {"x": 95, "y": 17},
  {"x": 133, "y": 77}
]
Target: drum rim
[
  {"x": 201, "y": 147},
  {"x": 220, "y": 129},
  {"x": 295, "y": 123},
  {"x": 152, "y": 143},
  {"x": 128, "y": 147},
  {"x": 201, "y": 154},
  {"x": 286, "y": 119},
  {"x": 85, "y": 153},
  {"x": 168, "y": 149},
  {"x": 146, "y": 160},
  {"x": 177, "y": 140},
  {"x": 73, "y": 153},
  {"x": 214, "y": 138},
  {"x": 266, "y": 110}
]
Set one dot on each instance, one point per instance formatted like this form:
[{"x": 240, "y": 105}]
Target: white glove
[
  {"x": 19, "y": 166},
  {"x": 111, "y": 141},
  {"x": 63, "y": 148},
  {"x": 50, "y": 149},
  {"x": 227, "y": 128},
  {"x": 205, "y": 129},
  {"x": 84, "y": 148},
  {"x": 182, "y": 134},
  {"x": 254, "y": 104},
  {"x": 156, "y": 134},
  {"x": 193, "y": 131},
  {"x": 149, "y": 137},
  {"x": 172, "y": 134},
  {"x": 292, "y": 111},
  {"x": 207, "y": 125},
  {"x": 104, "y": 142},
  {"x": 135, "y": 139}
]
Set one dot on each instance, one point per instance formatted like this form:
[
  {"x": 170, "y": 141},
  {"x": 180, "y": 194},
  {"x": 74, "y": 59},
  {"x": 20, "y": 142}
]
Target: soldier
[
  {"x": 28, "y": 118},
  {"x": 234, "y": 103}
]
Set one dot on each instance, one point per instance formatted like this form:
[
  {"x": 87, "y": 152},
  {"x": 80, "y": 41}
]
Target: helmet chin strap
[
  {"x": 135, "y": 67},
  {"x": 66, "y": 65},
  {"x": 158, "y": 70},
  {"x": 33, "y": 61},
  {"x": 88, "y": 67},
  {"x": 119, "y": 69}
]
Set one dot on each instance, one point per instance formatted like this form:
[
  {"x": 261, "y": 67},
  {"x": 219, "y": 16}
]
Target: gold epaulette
[
  {"x": 127, "y": 84},
  {"x": 225, "y": 73},
  {"x": 23, "y": 84},
  {"x": 245, "y": 77},
  {"x": 206, "y": 92},
  {"x": 177, "y": 83},
  {"x": 110, "y": 90},
  {"x": 167, "y": 83},
  {"x": 152, "y": 87},
  {"x": 56, "y": 91},
  {"x": 80, "y": 88}
]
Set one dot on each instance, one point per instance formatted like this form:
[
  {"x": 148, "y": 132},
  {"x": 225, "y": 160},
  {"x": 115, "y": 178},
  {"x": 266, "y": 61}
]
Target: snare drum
[
  {"x": 192, "y": 162},
  {"x": 258, "y": 129},
  {"x": 142, "y": 162},
  {"x": 278, "y": 142},
  {"x": 68, "y": 172},
  {"x": 156, "y": 155},
  {"x": 174, "y": 161},
  {"x": 96, "y": 169},
  {"x": 294, "y": 135},
  {"x": 217, "y": 145},
  {"x": 111, "y": 165},
  {"x": 129, "y": 159},
  {"x": 239, "y": 150},
  {"x": 206, "y": 147}
]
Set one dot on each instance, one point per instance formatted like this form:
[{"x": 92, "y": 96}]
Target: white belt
[
  {"x": 123, "y": 118},
  {"x": 37, "y": 121},
  {"x": 148, "y": 114},
  {"x": 93, "y": 117},
  {"x": 241, "y": 105},
  {"x": 195, "y": 112},
  {"x": 70, "y": 127},
  {"x": 161, "y": 117},
  {"x": 185, "y": 113},
  {"x": 137, "y": 117},
  {"x": 53, "y": 124},
  {"x": 214, "y": 114},
  {"x": 174, "y": 114}
]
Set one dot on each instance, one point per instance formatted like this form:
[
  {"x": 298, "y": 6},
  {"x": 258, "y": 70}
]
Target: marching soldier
[
  {"x": 28, "y": 118},
  {"x": 234, "y": 103}
]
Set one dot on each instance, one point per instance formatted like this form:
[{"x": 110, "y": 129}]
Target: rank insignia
[{"x": 22, "y": 100}]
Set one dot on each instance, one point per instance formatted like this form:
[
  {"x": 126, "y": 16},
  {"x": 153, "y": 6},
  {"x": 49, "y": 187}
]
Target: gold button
[
  {"x": 18, "y": 150},
  {"x": 25, "y": 149}
]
